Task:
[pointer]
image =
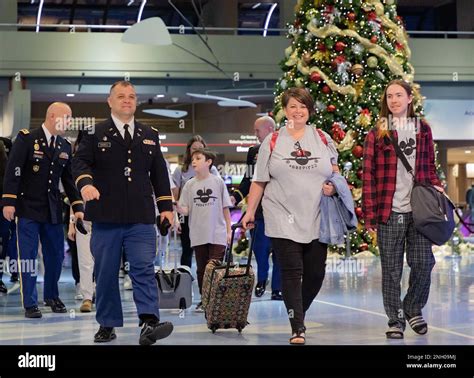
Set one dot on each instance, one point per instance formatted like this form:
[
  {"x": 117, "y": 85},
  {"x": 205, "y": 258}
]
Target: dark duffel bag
[{"x": 433, "y": 213}]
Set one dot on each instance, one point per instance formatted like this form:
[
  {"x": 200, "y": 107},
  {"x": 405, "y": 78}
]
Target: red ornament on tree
[
  {"x": 340, "y": 46},
  {"x": 322, "y": 47},
  {"x": 358, "y": 151},
  {"x": 351, "y": 16},
  {"x": 337, "y": 133},
  {"x": 331, "y": 108},
  {"x": 398, "y": 46},
  {"x": 358, "y": 211},
  {"x": 359, "y": 173},
  {"x": 315, "y": 77},
  {"x": 372, "y": 16},
  {"x": 374, "y": 39},
  {"x": 338, "y": 60},
  {"x": 326, "y": 90}
]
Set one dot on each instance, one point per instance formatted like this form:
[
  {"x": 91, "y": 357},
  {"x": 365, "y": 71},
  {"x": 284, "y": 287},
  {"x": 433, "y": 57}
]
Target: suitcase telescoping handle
[{"x": 229, "y": 251}]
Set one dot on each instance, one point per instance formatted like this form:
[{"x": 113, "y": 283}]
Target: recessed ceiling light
[
  {"x": 256, "y": 5},
  {"x": 160, "y": 96},
  {"x": 70, "y": 95},
  {"x": 467, "y": 151}
]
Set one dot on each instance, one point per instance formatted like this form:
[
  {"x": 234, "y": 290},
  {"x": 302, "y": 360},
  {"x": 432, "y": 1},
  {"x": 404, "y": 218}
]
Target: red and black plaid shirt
[{"x": 380, "y": 172}]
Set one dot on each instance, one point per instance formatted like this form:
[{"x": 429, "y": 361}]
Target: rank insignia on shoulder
[
  {"x": 149, "y": 142},
  {"x": 64, "y": 155},
  {"x": 25, "y": 131}
]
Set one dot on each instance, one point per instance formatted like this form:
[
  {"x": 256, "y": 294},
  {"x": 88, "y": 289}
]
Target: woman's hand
[
  {"x": 328, "y": 189},
  {"x": 248, "y": 221}
]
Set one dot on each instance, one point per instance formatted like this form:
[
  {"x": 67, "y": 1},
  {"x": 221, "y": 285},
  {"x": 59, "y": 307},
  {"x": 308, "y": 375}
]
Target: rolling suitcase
[
  {"x": 227, "y": 290},
  {"x": 175, "y": 285}
]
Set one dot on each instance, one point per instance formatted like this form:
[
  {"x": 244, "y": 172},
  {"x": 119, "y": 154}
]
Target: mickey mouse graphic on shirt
[
  {"x": 203, "y": 197},
  {"x": 301, "y": 157},
  {"x": 408, "y": 146}
]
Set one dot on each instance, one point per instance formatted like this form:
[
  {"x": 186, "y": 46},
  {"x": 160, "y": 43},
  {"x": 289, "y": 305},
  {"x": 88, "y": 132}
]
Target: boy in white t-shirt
[{"x": 206, "y": 200}]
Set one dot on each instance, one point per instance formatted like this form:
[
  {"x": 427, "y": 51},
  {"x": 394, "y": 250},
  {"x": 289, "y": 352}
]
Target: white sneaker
[
  {"x": 199, "y": 307},
  {"x": 78, "y": 296},
  {"x": 127, "y": 283},
  {"x": 14, "y": 287}
]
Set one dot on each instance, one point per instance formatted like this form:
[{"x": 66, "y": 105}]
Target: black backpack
[{"x": 433, "y": 212}]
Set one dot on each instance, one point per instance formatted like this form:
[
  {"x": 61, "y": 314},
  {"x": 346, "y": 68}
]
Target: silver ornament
[
  {"x": 347, "y": 166},
  {"x": 283, "y": 84},
  {"x": 358, "y": 49}
]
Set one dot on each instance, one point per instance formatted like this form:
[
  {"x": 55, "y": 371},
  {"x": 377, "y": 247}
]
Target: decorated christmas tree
[{"x": 345, "y": 52}]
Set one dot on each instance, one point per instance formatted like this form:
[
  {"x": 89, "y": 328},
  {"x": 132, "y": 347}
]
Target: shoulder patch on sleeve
[{"x": 25, "y": 131}]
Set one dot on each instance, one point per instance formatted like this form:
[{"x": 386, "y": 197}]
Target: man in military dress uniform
[
  {"x": 38, "y": 160},
  {"x": 117, "y": 169}
]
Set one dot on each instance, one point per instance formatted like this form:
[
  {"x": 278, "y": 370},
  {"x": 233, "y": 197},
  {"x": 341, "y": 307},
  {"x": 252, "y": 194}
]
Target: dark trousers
[
  {"x": 8, "y": 245},
  {"x": 74, "y": 261},
  {"x": 393, "y": 238},
  {"x": 29, "y": 233},
  {"x": 187, "y": 251},
  {"x": 302, "y": 268},
  {"x": 138, "y": 242},
  {"x": 204, "y": 253}
]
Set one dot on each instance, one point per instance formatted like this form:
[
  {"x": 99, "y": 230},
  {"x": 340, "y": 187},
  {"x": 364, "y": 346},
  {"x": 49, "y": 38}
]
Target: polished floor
[{"x": 348, "y": 311}]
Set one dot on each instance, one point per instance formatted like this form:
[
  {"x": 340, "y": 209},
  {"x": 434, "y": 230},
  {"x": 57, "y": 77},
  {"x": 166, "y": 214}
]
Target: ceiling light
[
  {"x": 167, "y": 113},
  {"x": 467, "y": 151},
  {"x": 159, "y": 96},
  {"x": 256, "y": 5},
  {"x": 140, "y": 12},
  {"x": 269, "y": 16},
  {"x": 70, "y": 95},
  {"x": 207, "y": 97},
  {"x": 236, "y": 103},
  {"x": 130, "y": 2},
  {"x": 151, "y": 31},
  {"x": 38, "y": 17}
]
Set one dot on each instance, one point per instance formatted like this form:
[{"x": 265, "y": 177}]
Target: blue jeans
[
  {"x": 138, "y": 243},
  {"x": 262, "y": 249}
]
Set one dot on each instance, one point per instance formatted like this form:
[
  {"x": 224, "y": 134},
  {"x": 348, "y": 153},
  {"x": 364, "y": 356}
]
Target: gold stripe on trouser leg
[{"x": 19, "y": 261}]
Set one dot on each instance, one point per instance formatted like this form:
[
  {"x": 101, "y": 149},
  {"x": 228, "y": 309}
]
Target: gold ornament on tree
[
  {"x": 307, "y": 58},
  {"x": 357, "y": 69}
]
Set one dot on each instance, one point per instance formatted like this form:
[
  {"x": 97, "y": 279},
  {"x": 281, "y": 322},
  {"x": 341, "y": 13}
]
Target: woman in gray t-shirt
[{"x": 291, "y": 174}]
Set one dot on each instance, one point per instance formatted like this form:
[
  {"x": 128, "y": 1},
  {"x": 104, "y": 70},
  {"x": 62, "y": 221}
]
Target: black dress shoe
[
  {"x": 152, "y": 331},
  {"x": 104, "y": 335},
  {"x": 3, "y": 288},
  {"x": 260, "y": 288},
  {"x": 33, "y": 312},
  {"x": 56, "y": 305},
  {"x": 276, "y": 295}
]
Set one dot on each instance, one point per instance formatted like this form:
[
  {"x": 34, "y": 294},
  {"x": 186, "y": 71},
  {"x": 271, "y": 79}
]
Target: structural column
[{"x": 16, "y": 109}]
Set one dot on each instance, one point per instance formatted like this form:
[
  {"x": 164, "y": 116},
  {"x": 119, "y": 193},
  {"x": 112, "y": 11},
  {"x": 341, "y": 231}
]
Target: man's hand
[
  {"x": 168, "y": 215},
  {"x": 9, "y": 213},
  {"x": 79, "y": 215},
  {"x": 89, "y": 193}
]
